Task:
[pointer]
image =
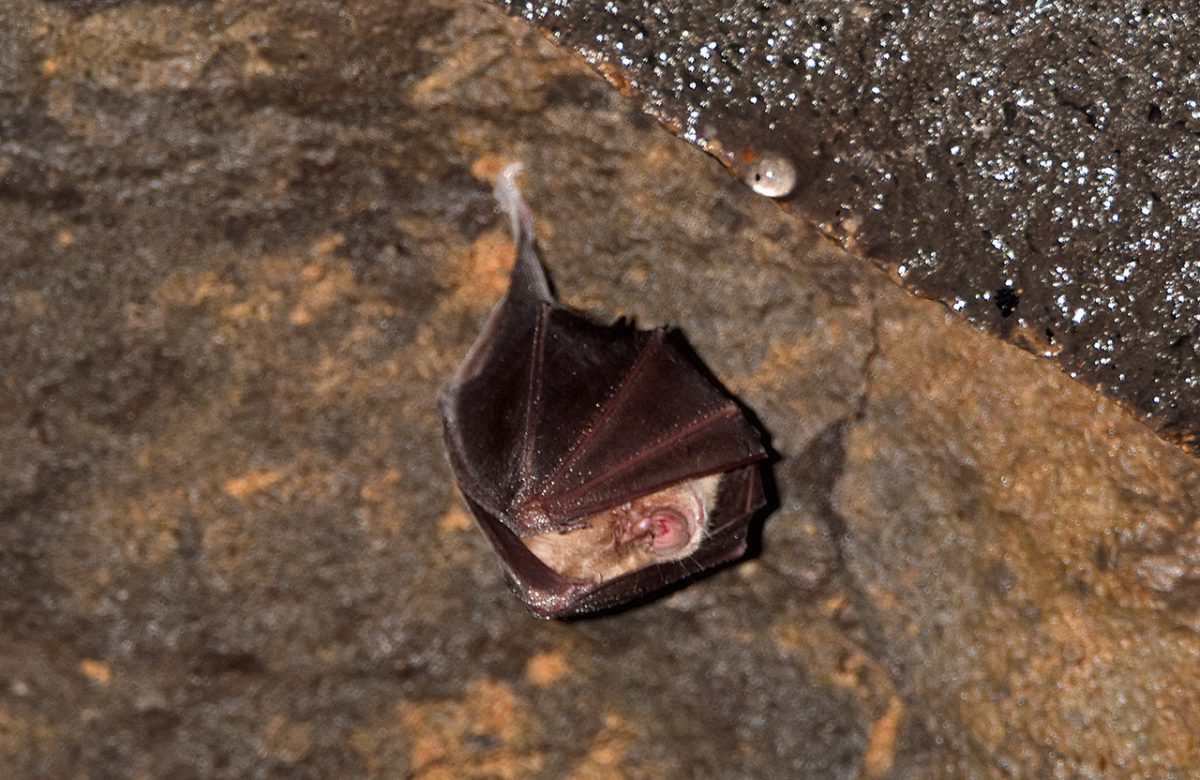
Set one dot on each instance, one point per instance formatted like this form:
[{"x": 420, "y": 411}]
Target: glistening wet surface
[{"x": 1032, "y": 165}]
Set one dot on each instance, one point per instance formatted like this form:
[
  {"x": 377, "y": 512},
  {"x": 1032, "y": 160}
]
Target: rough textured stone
[
  {"x": 243, "y": 243},
  {"x": 1029, "y": 559}
]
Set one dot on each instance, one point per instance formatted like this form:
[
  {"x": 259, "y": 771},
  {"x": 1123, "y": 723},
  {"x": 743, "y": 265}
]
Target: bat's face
[
  {"x": 602, "y": 461},
  {"x": 626, "y": 553},
  {"x": 667, "y": 525}
]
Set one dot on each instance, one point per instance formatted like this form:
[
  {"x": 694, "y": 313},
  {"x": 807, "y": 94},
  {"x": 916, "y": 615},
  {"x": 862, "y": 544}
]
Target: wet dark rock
[{"x": 1030, "y": 165}]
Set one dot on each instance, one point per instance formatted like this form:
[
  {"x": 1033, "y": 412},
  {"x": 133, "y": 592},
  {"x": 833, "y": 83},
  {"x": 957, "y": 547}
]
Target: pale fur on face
[{"x": 610, "y": 545}]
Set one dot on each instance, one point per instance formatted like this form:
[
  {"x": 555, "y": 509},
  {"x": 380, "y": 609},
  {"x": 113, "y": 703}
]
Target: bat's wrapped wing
[{"x": 554, "y": 419}]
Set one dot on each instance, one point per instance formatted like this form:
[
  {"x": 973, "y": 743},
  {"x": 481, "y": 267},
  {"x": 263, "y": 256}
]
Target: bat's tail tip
[
  {"x": 509, "y": 174},
  {"x": 508, "y": 195},
  {"x": 528, "y": 273}
]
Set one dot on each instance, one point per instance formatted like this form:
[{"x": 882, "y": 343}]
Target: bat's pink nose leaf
[{"x": 665, "y": 531}]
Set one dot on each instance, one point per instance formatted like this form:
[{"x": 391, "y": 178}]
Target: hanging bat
[{"x": 601, "y": 461}]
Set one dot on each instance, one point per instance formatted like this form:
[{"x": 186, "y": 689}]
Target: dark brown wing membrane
[
  {"x": 662, "y": 422},
  {"x": 568, "y": 417}
]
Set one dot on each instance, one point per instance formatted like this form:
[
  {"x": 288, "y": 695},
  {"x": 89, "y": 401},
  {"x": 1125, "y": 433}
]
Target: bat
[{"x": 601, "y": 461}]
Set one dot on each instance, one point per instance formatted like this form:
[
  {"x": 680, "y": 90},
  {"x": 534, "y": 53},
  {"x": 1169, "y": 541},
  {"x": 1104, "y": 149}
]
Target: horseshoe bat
[{"x": 601, "y": 461}]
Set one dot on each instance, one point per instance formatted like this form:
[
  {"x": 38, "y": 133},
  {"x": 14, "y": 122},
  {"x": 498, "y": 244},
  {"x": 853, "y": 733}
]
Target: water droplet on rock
[{"x": 771, "y": 175}]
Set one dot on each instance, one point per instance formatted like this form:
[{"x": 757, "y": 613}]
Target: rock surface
[{"x": 243, "y": 245}]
